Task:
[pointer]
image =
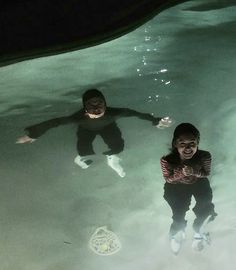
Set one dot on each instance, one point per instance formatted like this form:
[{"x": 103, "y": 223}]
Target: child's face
[
  {"x": 95, "y": 107},
  {"x": 187, "y": 146}
]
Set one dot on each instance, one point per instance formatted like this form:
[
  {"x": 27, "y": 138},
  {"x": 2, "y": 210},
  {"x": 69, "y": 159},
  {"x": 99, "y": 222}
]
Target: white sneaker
[
  {"x": 200, "y": 240},
  {"x": 176, "y": 242},
  {"x": 113, "y": 161},
  {"x": 81, "y": 161}
]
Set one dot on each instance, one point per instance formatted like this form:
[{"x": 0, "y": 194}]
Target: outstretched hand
[
  {"x": 25, "y": 139},
  {"x": 156, "y": 121},
  {"x": 164, "y": 122}
]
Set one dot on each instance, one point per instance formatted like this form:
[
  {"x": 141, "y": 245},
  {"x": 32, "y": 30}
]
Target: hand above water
[
  {"x": 25, "y": 139},
  {"x": 165, "y": 122}
]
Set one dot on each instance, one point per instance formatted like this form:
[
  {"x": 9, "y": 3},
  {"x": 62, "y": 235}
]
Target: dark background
[{"x": 30, "y": 29}]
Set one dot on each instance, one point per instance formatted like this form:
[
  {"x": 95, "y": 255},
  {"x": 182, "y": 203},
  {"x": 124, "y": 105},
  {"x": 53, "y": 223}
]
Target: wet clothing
[
  {"x": 200, "y": 162},
  {"x": 179, "y": 189},
  {"x": 110, "y": 134},
  {"x": 178, "y": 196},
  {"x": 89, "y": 128}
]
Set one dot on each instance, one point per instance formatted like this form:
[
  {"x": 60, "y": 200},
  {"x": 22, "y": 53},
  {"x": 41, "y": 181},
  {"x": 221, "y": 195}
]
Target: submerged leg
[
  {"x": 178, "y": 197},
  {"x": 204, "y": 211},
  {"x": 204, "y": 208},
  {"x": 113, "y": 139},
  {"x": 84, "y": 147}
]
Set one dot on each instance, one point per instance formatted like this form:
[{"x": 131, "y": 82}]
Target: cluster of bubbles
[{"x": 148, "y": 68}]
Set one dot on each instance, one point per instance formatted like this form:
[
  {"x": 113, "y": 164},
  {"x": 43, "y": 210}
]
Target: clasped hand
[{"x": 187, "y": 170}]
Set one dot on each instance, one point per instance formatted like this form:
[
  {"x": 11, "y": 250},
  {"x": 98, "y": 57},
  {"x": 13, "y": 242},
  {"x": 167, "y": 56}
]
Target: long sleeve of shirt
[
  {"x": 38, "y": 130},
  {"x": 84, "y": 122},
  {"x": 205, "y": 169},
  {"x": 201, "y": 168},
  {"x": 125, "y": 112}
]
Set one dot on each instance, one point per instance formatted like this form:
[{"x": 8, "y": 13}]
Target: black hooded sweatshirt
[{"x": 85, "y": 122}]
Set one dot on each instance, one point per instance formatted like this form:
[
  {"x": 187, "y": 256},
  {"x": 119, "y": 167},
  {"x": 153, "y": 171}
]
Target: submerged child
[
  {"x": 95, "y": 118},
  {"x": 185, "y": 170}
]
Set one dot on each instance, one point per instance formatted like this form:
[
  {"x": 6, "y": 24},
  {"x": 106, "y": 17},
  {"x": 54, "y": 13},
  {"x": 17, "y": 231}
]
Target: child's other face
[{"x": 187, "y": 146}]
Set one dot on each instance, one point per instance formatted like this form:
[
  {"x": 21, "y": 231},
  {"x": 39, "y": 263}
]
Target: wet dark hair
[
  {"x": 94, "y": 101},
  {"x": 92, "y": 93},
  {"x": 182, "y": 129}
]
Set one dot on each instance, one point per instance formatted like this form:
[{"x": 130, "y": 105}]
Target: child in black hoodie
[{"x": 95, "y": 118}]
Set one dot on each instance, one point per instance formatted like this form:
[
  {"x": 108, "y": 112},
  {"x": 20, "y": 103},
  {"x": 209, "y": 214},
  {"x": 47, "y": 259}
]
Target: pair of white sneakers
[
  {"x": 199, "y": 241},
  {"x": 113, "y": 161}
]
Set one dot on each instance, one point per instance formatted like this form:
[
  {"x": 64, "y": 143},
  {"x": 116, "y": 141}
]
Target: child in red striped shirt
[{"x": 185, "y": 170}]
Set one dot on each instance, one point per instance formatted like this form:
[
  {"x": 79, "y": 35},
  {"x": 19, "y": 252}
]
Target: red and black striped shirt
[{"x": 173, "y": 173}]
